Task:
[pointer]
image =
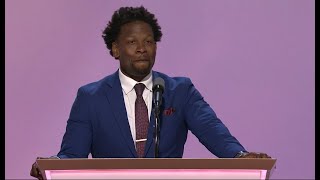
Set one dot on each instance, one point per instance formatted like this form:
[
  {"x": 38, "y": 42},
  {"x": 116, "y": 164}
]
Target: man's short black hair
[{"x": 126, "y": 15}]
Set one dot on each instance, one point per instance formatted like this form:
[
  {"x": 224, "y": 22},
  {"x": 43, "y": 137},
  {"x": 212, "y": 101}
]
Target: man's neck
[{"x": 136, "y": 78}]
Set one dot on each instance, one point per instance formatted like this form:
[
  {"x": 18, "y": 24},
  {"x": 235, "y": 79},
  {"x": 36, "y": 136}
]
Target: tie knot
[{"x": 139, "y": 88}]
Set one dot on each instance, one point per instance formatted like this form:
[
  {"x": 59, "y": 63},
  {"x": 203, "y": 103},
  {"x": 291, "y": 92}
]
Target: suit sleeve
[
  {"x": 77, "y": 139},
  {"x": 207, "y": 127}
]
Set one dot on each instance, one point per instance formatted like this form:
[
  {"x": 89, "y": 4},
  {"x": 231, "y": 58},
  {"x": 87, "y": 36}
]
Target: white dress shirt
[{"x": 129, "y": 95}]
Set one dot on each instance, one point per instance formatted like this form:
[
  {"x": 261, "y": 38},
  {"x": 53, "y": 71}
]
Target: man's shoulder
[
  {"x": 173, "y": 81},
  {"x": 97, "y": 86}
]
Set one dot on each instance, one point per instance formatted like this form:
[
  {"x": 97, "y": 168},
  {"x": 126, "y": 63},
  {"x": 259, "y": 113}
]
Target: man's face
[{"x": 136, "y": 49}]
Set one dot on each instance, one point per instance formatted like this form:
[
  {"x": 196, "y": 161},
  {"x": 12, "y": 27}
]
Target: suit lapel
[{"x": 115, "y": 97}]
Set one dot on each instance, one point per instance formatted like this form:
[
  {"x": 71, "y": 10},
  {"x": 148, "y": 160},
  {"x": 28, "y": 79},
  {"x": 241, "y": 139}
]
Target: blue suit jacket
[{"x": 98, "y": 122}]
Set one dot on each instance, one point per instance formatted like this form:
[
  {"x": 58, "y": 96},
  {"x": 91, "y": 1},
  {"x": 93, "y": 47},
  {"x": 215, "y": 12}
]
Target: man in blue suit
[{"x": 105, "y": 117}]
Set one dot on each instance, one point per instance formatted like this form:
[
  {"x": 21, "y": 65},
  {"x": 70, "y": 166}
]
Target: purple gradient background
[{"x": 253, "y": 61}]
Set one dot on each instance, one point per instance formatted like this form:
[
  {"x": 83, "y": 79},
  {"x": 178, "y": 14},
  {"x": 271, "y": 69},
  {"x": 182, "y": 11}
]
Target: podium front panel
[
  {"x": 157, "y": 174},
  {"x": 162, "y": 168}
]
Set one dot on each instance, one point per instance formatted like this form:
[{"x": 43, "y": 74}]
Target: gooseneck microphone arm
[{"x": 158, "y": 88}]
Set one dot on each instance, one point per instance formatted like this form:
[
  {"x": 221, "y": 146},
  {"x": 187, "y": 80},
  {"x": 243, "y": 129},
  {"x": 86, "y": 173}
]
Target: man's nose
[{"x": 141, "y": 48}]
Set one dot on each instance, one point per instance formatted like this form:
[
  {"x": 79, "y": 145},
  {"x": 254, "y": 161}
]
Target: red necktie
[{"x": 141, "y": 120}]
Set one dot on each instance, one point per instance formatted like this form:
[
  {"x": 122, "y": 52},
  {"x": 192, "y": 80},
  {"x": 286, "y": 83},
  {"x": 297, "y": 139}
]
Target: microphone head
[{"x": 158, "y": 83}]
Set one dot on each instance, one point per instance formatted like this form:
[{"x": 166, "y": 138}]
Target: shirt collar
[{"x": 128, "y": 83}]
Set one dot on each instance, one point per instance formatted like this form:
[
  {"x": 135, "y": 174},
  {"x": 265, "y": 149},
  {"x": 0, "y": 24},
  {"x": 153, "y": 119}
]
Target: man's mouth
[{"x": 141, "y": 60}]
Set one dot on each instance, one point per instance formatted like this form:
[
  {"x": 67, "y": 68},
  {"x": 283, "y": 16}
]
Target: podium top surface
[{"x": 152, "y": 163}]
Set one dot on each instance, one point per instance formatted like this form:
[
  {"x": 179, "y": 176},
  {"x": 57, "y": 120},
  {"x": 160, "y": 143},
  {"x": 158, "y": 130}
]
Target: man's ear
[{"x": 115, "y": 50}]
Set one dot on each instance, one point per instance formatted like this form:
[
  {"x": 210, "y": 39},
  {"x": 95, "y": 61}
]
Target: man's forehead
[{"x": 136, "y": 27}]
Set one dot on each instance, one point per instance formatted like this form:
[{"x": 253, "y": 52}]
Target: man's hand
[
  {"x": 35, "y": 171},
  {"x": 254, "y": 155}
]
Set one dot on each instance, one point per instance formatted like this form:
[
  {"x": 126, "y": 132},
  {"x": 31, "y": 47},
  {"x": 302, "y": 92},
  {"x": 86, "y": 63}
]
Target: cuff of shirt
[
  {"x": 240, "y": 154},
  {"x": 54, "y": 157}
]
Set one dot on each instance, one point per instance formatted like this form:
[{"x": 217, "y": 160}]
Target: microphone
[{"x": 158, "y": 88}]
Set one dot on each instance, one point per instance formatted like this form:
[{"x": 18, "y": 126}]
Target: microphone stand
[
  {"x": 156, "y": 131},
  {"x": 158, "y": 89}
]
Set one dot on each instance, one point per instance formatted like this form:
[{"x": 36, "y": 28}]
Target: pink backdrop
[{"x": 253, "y": 61}]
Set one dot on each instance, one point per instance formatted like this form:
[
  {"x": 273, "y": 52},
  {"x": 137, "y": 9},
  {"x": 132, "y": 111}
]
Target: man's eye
[
  {"x": 131, "y": 42},
  {"x": 149, "y": 42}
]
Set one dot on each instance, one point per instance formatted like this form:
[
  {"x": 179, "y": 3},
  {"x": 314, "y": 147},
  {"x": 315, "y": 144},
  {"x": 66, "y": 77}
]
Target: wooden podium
[{"x": 162, "y": 168}]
